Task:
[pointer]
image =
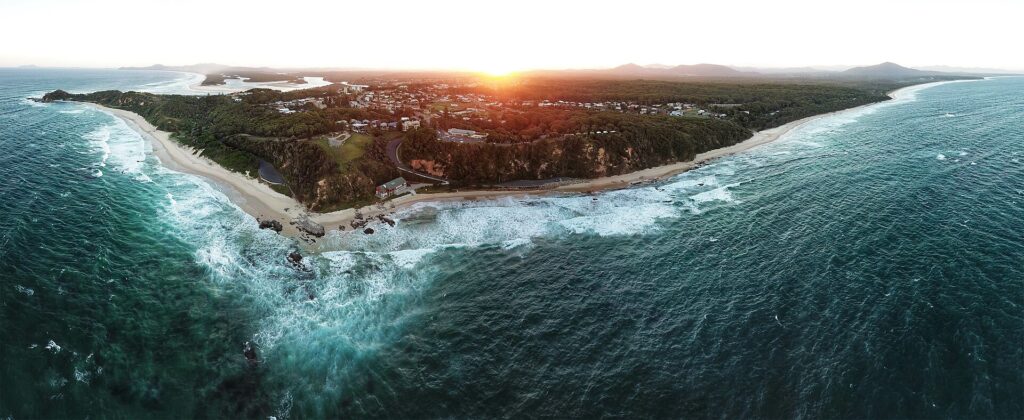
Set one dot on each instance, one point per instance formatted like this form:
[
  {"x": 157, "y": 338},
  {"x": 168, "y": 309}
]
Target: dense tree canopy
[{"x": 612, "y": 144}]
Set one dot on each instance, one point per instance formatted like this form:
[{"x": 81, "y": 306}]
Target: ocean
[{"x": 869, "y": 264}]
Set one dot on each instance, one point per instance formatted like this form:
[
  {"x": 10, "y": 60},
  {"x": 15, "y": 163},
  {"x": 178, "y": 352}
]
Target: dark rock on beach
[
  {"x": 306, "y": 225},
  {"x": 368, "y": 231},
  {"x": 295, "y": 259},
  {"x": 271, "y": 224}
]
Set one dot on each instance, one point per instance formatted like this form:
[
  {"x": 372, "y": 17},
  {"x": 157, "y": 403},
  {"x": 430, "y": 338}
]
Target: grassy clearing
[
  {"x": 282, "y": 189},
  {"x": 353, "y": 149}
]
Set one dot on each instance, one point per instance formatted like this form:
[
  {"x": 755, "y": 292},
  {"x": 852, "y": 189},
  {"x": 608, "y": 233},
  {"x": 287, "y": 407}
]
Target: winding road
[{"x": 392, "y": 150}]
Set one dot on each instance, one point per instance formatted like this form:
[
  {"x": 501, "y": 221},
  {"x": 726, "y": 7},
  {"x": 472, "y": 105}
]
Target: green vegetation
[
  {"x": 355, "y": 147},
  {"x": 213, "y": 80},
  {"x": 626, "y": 143},
  {"x": 525, "y": 142},
  {"x": 763, "y": 105},
  {"x": 351, "y": 150},
  {"x": 236, "y": 131},
  {"x": 281, "y": 189},
  {"x": 268, "y": 76}
]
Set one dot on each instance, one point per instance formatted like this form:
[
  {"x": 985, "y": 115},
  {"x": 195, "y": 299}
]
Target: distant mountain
[
  {"x": 886, "y": 70},
  {"x": 633, "y": 68},
  {"x": 202, "y": 68},
  {"x": 971, "y": 70},
  {"x": 685, "y": 70},
  {"x": 784, "y": 70},
  {"x": 707, "y": 70}
]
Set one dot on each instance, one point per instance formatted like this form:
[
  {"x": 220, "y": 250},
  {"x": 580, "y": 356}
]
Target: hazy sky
[{"x": 508, "y": 35}]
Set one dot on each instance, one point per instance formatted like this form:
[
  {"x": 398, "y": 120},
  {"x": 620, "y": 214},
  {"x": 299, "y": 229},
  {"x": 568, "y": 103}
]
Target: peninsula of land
[
  {"x": 262, "y": 202},
  {"x": 333, "y": 148}
]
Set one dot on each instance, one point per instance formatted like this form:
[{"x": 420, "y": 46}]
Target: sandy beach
[
  {"x": 253, "y": 197},
  {"x": 235, "y": 85},
  {"x": 262, "y": 202}
]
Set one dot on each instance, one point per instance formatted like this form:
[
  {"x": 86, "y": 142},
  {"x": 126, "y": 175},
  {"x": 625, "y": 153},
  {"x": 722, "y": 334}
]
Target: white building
[
  {"x": 410, "y": 124},
  {"x": 466, "y": 133}
]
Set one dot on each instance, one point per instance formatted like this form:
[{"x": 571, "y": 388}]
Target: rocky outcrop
[
  {"x": 57, "y": 95},
  {"x": 270, "y": 224},
  {"x": 305, "y": 224},
  {"x": 250, "y": 354}
]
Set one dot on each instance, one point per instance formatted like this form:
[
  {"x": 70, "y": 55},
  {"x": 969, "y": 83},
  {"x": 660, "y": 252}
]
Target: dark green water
[{"x": 867, "y": 265}]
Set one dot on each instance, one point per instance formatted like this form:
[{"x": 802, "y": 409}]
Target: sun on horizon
[{"x": 498, "y": 69}]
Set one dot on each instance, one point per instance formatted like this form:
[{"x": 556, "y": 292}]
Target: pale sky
[{"x": 500, "y": 36}]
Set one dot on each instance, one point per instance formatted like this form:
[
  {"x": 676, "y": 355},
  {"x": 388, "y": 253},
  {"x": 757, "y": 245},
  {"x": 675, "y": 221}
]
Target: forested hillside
[
  {"x": 236, "y": 132},
  {"x": 586, "y": 128},
  {"x": 766, "y": 104},
  {"x": 616, "y": 144}
]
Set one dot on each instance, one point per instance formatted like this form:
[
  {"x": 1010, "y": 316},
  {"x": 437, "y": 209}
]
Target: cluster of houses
[
  {"x": 430, "y": 100},
  {"x": 362, "y": 126},
  {"x": 289, "y": 107},
  {"x": 427, "y": 98},
  {"x": 675, "y": 109},
  {"x": 426, "y": 101}
]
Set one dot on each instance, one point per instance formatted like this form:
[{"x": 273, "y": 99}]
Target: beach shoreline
[
  {"x": 253, "y": 197},
  {"x": 261, "y": 202}
]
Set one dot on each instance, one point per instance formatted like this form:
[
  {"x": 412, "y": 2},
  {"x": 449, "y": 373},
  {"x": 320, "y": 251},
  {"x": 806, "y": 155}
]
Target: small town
[{"x": 400, "y": 106}]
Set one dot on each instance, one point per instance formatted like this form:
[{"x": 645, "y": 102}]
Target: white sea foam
[
  {"x": 685, "y": 183},
  {"x": 718, "y": 194},
  {"x": 519, "y": 243},
  {"x": 408, "y": 258},
  {"x": 616, "y": 215},
  {"x": 121, "y": 146},
  {"x": 26, "y": 290},
  {"x": 82, "y": 376},
  {"x": 195, "y": 202},
  {"x": 34, "y": 104},
  {"x": 127, "y": 148},
  {"x": 100, "y": 140},
  {"x": 53, "y": 347},
  {"x": 181, "y": 85},
  {"x": 217, "y": 257},
  {"x": 941, "y": 156}
]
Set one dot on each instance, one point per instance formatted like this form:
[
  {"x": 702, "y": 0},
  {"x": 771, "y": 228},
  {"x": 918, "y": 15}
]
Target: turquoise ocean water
[{"x": 868, "y": 264}]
